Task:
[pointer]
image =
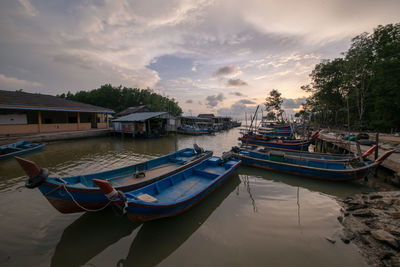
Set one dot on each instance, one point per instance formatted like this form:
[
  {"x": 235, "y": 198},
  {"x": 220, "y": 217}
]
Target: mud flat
[{"x": 372, "y": 222}]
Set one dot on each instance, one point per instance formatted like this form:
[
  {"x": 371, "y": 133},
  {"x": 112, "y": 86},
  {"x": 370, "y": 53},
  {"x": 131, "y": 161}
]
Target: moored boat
[
  {"x": 289, "y": 153},
  {"x": 18, "y": 148},
  {"x": 275, "y": 132},
  {"x": 317, "y": 169},
  {"x": 174, "y": 194},
  {"x": 251, "y": 139},
  {"x": 79, "y": 193}
]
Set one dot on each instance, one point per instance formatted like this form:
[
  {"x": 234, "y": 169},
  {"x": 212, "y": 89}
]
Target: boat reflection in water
[
  {"x": 339, "y": 189},
  {"x": 81, "y": 240},
  {"x": 157, "y": 239}
]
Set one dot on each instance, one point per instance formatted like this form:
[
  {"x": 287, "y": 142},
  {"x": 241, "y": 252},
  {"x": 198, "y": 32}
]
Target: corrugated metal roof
[
  {"x": 141, "y": 116},
  {"x": 131, "y": 110},
  {"x": 28, "y": 101}
]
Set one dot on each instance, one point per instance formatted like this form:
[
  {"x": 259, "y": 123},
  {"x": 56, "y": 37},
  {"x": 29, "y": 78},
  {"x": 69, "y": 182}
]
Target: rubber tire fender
[{"x": 38, "y": 180}]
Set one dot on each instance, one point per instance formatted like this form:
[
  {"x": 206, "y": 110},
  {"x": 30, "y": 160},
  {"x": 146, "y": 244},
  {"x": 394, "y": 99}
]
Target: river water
[{"x": 258, "y": 218}]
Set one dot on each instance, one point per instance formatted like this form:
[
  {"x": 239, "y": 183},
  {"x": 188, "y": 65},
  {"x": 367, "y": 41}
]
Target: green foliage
[
  {"x": 363, "y": 86},
  {"x": 120, "y": 98},
  {"x": 273, "y": 105}
]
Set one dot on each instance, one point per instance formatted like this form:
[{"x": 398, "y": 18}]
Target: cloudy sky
[{"x": 220, "y": 56}]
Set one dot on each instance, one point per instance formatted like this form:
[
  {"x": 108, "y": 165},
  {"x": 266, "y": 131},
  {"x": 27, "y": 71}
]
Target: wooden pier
[
  {"x": 326, "y": 139},
  {"x": 47, "y": 137}
]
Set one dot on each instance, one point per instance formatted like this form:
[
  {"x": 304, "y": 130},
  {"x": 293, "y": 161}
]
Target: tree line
[
  {"x": 120, "y": 98},
  {"x": 360, "y": 90}
]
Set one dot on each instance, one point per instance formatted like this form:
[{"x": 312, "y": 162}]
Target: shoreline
[{"x": 372, "y": 222}]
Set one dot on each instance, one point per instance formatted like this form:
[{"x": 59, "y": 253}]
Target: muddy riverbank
[{"x": 372, "y": 222}]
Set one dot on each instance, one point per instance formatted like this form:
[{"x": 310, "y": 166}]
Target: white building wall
[{"x": 13, "y": 119}]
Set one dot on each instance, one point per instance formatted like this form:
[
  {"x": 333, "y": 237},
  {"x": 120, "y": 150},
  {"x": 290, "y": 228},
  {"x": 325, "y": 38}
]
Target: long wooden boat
[
  {"x": 317, "y": 169},
  {"x": 274, "y": 132},
  {"x": 289, "y": 153},
  {"x": 194, "y": 131},
  {"x": 175, "y": 194},
  {"x": 18, "y": 148},
  {"x": 286, "y": 144},
  {"x": 79, "y": 193}
]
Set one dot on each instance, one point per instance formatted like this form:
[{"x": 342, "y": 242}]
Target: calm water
[{"x": 258, "y": 218}]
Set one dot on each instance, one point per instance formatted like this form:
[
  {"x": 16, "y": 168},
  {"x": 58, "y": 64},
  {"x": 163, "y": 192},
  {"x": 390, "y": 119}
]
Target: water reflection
[
  {"x": 88, "y": 236},
  {"x": 337, "y": 189},
  {"x": 156, "y": 240},
  {"x": 246, "y": 182}
]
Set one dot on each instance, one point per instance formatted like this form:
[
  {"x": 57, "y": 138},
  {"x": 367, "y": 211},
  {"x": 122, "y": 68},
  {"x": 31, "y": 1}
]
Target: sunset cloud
[
  {"x": 183, "y": 49},
  {"x": 236, "y": 82}
]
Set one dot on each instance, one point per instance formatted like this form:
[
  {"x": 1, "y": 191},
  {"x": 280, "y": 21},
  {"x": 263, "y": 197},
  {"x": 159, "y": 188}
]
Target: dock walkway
[
  {"x": 46, "y": 137},
  {"x": 392, "y": 163}
]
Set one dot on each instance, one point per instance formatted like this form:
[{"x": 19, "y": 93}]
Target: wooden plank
[{"x": 392, "y": 163}]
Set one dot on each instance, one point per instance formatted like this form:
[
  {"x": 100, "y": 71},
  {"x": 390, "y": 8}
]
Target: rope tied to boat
[{"x": 79, "y": 205}]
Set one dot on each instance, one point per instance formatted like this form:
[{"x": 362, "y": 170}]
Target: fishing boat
[
  {"x": 79, "y": 193},
  {"x": 174, "y": 194},
  {"x": 317, "y": 169},
  {"x": 260, "y": 140},
  {"x": 193, "y": 130},
  {"x": 18, "y": 148},
  {"x": 274, "y": 132},
  {"x": 289, "y": 153}
]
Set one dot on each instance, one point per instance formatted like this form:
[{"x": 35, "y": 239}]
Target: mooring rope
[{"x": 82, "y": 207}]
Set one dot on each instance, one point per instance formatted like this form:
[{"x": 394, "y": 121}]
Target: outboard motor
[
  {"x": 197, "y": 149},
  {"x": 226, "y": 156},
  {"x": 235, "y": 149}
]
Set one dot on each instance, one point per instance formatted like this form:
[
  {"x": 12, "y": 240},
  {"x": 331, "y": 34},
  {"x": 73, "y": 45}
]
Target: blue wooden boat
[
  {"x": 260, "y": 140},
  {"x": 193, "y": 130},
  {"x": 18, "y": 148},
  {"x": 275, "y": 132},
  {"x": 289, "y": 153},
  {"x": 317, "y": 169},
  {"x": 175, "y": 194},
  {"x": 79, "y": 193}
]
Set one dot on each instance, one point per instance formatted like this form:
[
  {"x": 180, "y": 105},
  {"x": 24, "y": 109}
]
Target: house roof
[
  {"x": 131, "y": 110},
  {"x": 28, "y": 101},
  {"x": 140, "y": 116},
  {"x": 210, "y": 115},
  {"x": 195, "y": 118}
]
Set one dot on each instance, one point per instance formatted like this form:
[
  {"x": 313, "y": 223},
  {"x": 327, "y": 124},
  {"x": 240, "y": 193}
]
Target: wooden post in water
[
  {"x": 376, "y": 153},
  {"x": 359, "y": 151},
  {"x": 377, "y": 145}
]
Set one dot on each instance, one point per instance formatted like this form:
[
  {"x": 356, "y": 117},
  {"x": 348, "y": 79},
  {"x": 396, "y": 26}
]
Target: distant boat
[
  {"x": 18, "y": 148},
  {"x": 187, "y": 129},
  {"x": 289, "y": 153},
  {"x": 79, "y": 193},
  {"x": 274, "y": 132},
  {"x": 175, "y": 194},
  {"x": 317, "y": 169}
]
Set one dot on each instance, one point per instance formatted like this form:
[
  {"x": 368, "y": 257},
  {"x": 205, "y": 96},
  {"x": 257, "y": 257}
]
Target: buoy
[{"x": 107, "y": 188}]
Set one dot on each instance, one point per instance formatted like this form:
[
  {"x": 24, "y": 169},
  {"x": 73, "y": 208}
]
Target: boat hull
[
  {"x": 139, "y": 211},
  {"x": 302, "y": 145},
  {"x": 307, "y": 171},
  {"x": 71, "y": 199}
]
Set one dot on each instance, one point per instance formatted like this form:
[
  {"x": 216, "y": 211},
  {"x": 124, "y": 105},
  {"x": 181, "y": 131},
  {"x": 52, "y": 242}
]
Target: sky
[{"x": 212, "y": 56}]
